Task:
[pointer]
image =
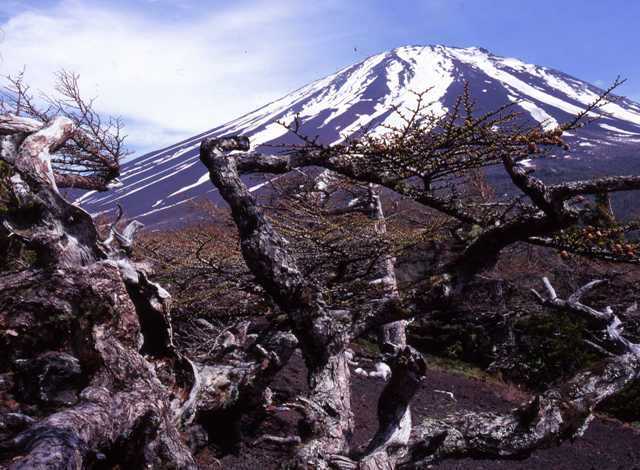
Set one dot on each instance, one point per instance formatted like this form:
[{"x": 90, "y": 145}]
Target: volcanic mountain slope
[{"x": 158, "y": 186}]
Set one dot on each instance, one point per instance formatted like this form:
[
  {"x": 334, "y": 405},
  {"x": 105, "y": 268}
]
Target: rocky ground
[{"x": 607, "y": 445}]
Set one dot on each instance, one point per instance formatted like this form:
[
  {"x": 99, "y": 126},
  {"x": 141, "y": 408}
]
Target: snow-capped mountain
[{"x": 160, "y": 184}]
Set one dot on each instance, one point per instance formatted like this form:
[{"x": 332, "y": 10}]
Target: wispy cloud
[
  {"x": 168, "y": 72},
  {"x": 173, "y": 68}
]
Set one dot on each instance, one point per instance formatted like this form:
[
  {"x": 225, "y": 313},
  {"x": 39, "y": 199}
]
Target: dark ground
[{"x": 607, "y": 445}]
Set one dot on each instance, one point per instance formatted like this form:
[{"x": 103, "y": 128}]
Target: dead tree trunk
[
  {"x": 87, "y": 336},
  {"x": 77, "y": 300},
  {"x": 407, "y": 366},
  {"x": 389, "y": 445},
  {"x": 558, "y": 414},
  {"x": 394, "y": 332},
  {"x": 323, "y": 334}
]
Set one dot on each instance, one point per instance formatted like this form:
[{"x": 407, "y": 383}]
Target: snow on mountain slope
[{"x": 163, "y": 182}]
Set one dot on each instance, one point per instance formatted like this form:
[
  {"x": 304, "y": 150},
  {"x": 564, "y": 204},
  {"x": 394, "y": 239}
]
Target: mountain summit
[{"x": 162, "y": 182}]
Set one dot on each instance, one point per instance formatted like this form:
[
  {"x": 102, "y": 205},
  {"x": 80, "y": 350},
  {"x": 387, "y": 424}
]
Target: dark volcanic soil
[{"x": 607, "y": 445}]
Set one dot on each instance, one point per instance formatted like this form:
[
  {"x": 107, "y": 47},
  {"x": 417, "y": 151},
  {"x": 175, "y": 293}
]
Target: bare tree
[
  {"x": 426, "y": 161},
  {"x": 90, "y": 158}
]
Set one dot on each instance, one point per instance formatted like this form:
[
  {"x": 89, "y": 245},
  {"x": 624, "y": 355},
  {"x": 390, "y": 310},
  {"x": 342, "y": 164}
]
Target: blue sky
[{"x": 175, "y": 68}]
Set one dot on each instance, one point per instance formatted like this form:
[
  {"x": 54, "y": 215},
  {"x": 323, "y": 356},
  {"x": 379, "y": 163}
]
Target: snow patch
[
  {"x": 617, "y": 130},
  {"x": 485, "y": 63},
  {"x": 582, "y": 94},
  {"x": 548, "y": 122},
  {"x": 203, "y": 179}
]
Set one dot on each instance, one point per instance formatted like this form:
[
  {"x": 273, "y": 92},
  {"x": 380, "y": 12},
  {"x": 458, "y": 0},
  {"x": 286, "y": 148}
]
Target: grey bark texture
[
  {"x": 324, "y": 334},
  {"x": 90, "y": 335}
]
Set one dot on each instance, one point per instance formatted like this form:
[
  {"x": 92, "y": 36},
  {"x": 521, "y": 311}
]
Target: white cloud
[{"x": 168, "y": 78}]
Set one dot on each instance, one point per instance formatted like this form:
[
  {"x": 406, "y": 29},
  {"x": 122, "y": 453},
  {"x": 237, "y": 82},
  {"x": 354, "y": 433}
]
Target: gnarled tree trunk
[
  {"x": 90, "y": 362},
  {"x": 84, "y": 300},
  {"x": 323, "y": 334}
]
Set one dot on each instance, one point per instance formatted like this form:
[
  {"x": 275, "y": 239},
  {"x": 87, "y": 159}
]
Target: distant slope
[{"x": 159, "y": 185}]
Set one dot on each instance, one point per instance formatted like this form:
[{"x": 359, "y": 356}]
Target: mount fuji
[{"x": 158, "y": 186}]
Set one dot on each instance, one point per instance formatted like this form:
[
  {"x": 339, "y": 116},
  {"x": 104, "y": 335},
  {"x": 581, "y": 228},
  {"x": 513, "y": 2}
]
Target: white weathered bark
[
  {"x": 561, "y": 413},
  {"x": 394, "y": 332}
]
